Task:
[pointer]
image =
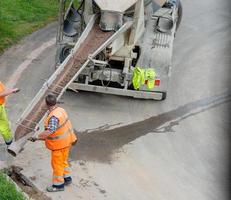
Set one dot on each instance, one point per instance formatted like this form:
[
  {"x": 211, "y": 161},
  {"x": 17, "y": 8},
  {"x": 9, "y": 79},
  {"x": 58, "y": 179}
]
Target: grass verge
[
  {"x": 8, "y": 190},
  {"x": 21, "y": 17}
]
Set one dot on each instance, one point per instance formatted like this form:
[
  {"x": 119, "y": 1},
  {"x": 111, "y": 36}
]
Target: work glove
[{"x": 32, "y": 139}]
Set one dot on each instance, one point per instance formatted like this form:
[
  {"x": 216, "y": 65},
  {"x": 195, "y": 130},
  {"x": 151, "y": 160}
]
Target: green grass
[
  {"x": 21, "y": 17},
  {"x": 8, "y": 190}
]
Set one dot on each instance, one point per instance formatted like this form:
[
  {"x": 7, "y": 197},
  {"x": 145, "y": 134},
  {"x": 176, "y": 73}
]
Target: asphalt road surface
[{"x": 141, "y": 149}]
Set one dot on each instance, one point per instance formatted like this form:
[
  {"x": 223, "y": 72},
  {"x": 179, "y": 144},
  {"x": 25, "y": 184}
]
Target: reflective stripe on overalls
[{"x": 58, "y": 137}]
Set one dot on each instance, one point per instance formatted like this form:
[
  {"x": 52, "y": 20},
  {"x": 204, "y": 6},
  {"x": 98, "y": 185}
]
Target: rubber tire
[
  {"x": 180, "y": 13},
  {"x": 64, "y": 52},
  {"x": 164, "y": 96}
]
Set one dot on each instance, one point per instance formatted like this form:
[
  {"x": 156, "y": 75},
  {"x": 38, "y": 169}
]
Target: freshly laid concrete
[{"x": 175, "y": 149}]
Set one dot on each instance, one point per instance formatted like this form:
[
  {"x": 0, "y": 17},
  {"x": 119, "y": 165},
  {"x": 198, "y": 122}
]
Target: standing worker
[
  {"x": 4, "y": 123},
  {"x": 58, "y": 136}
]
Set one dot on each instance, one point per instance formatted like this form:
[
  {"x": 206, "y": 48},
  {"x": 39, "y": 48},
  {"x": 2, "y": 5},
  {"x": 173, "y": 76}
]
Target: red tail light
[{"x": 157, "y": 82}]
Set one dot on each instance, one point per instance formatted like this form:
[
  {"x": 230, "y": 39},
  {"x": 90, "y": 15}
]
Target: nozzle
[{"x": 17, "y": 146}]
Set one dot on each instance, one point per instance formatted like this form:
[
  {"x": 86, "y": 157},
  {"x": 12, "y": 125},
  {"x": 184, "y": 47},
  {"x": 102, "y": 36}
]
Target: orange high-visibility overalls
[{"x": 59, "y": 143}]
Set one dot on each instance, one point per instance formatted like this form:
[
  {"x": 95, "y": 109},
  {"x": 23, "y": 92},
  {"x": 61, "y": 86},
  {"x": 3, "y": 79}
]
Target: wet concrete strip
[{"x": 100, "y": 145}]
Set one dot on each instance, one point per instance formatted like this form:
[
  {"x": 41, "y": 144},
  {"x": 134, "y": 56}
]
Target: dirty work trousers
[
  {"x": 60, "y": 166},
  {"x": 5, "y": 126}
]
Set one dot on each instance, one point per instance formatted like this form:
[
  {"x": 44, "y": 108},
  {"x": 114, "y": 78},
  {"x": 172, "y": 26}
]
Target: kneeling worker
[
  {"x": 58, "y": 136},
  {"x": 4, "y": 123}
]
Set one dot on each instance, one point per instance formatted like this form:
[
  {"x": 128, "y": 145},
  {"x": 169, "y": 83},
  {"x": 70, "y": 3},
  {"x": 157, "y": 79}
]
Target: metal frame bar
[
  {"x": 30, "y": 121},
  {"x": 124, "y": 92},
  {"x": 20, "y": 124}
]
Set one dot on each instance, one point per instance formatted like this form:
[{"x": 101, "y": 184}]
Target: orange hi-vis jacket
[
  {"x": 2, "y": 88},
  {"x": 63, "y": 136}
]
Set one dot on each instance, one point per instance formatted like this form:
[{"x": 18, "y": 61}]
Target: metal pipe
[{"x": 16, "y": 147}]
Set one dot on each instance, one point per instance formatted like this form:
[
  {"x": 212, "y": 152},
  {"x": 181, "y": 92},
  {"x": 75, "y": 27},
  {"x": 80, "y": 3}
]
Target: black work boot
[
  {"x": 67, "y": 181},
  {"x": 54, "y": 188}
]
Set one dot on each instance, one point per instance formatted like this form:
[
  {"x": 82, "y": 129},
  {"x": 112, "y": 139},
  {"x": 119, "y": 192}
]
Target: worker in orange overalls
[
  {"x": 58, "y": 136},
  {"x": 4, "y": 123}
]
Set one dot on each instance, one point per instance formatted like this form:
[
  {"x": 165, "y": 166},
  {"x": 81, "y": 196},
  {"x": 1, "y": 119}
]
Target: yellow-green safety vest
[{"x": 140, "y": 75}]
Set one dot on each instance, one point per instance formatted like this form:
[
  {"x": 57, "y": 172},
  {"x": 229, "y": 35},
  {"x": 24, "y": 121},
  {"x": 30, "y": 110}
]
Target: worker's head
[{"x": 51, "y": 100}]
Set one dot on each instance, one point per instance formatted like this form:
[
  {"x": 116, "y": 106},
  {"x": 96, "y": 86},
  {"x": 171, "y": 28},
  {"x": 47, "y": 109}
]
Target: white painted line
[{"x": 13, "y": 79}]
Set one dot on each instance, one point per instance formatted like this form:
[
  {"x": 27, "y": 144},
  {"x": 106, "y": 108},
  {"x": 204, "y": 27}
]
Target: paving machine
[{"x": 122, "y": 48}]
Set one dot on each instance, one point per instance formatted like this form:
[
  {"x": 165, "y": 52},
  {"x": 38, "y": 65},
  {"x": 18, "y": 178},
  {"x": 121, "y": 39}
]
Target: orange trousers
[{"x": 60, "y": 165}]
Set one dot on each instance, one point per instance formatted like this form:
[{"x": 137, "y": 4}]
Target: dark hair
[{"x": 51, "y": 100}]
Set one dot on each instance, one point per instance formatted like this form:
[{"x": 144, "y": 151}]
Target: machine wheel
[
  {"x": 164, "y": 96},
  {"x": 64, "y": 52}
]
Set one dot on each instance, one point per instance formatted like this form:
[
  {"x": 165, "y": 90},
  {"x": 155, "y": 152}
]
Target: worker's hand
[
  {"x": 36, "y": 128},
  {"x": 32, "y": 139},
  {"x": 74, "y": 143},
  {"x": 15, "y": 90}
]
